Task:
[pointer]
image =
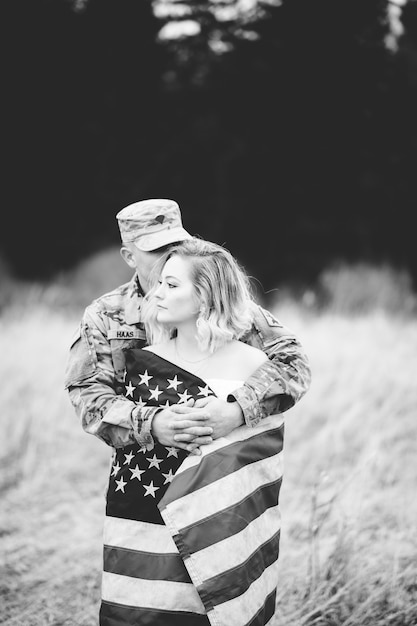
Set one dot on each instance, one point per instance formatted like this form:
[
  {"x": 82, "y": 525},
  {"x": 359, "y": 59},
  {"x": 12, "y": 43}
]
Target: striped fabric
[
  {"x": 222, "y": 511},
  {"x": 212, "y": 556}
]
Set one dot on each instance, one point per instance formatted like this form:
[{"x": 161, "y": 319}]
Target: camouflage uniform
[{"x": 96, "y": 369}]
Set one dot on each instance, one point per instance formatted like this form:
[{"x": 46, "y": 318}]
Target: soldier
[{"x": 96, "y": 367}]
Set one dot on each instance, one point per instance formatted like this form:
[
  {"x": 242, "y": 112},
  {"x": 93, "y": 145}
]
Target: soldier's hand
[
  {"x": 223, "y": 416},
  {"x": 182, "y": 426}
]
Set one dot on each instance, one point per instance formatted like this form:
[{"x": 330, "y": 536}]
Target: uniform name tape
[{"x": 125, "y": 334}]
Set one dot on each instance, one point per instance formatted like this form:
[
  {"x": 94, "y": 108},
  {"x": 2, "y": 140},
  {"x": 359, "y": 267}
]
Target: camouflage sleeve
[
  {"x": 279, "y": 382},
  {"x": 95, "y": 393}
]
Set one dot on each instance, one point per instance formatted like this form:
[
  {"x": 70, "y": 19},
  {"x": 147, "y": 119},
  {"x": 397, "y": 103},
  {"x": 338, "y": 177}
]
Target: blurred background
[{"x": 287, "y": 131}]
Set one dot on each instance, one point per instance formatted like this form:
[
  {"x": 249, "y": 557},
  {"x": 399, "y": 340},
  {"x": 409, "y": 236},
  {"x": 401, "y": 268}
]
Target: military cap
[{"x": 151, "y": 224}]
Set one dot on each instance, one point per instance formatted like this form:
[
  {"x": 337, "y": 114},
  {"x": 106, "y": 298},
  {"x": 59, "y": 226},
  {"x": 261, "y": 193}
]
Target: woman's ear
[{"x": 128, "y": 257}]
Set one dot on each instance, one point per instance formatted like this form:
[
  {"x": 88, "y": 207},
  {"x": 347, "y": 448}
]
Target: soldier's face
[{"x": 144, "y": 263}]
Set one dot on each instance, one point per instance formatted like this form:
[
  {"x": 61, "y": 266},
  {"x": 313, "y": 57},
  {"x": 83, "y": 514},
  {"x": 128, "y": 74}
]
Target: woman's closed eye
[{"x": 168, "y": 284}]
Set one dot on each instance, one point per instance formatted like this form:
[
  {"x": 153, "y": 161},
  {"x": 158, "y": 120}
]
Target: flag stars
[
  {"x": 154, "y": 462},
  {"x": 150, "y": 489},
  {"x": 204, "y": 391},
  {"x": 140, "y": 403},
  {"x": 183, "y": 397},
  {"x": 159, "y": 471},
  {"x": 168, "y": 477},
  {"x": 145, "y": 378},
  {"x": 155, "y": 393},
  {"x": 128, "y": 458},
  {"x": 121, "y": 485},
  {"x": 136, "y": 473},
  {"x": 130, "y": 389},
  {"x": 174, "y": 383},
  {"x": 115, "y": 469}
]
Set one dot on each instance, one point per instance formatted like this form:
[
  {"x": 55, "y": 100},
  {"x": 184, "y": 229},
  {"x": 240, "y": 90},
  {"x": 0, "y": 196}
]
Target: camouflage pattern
[
  {"x": 151, "y": 224},
  {"x": 96, "y": 369}
]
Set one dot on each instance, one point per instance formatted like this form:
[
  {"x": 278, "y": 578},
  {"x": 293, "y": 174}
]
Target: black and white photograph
[{"x": 208, "y": 313}]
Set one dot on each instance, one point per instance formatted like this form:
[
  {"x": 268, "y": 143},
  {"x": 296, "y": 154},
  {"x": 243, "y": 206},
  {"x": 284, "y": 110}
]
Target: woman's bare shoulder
[
  {"x": 250, "y": 352},
  {"x": 247, "y": 357}
]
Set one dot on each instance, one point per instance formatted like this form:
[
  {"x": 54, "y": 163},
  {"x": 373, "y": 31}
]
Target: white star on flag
[
  {"x": 145, "y": 378},
  {"x": 154, "y": 462},
  {"x": 121, "y": 485},
  {"x": 172, "y": 451},
  {"x": 183, "y": 396},
  {"x": 115, "y": 469},
  {"x": 174, "y": 382},
  {"x": 204, "y": 391},
  {"x": 140, "y": 403},
  {"x": 130, "y": 389},
  {"x": 168, "y": 477},
  {"x": 136, "y": 473},
  {"x": 166, "y": 405},
  {"x": 155, "y": 393},
  {"x": 128, "y": 458},
  {"x": 150, "y": 489}
]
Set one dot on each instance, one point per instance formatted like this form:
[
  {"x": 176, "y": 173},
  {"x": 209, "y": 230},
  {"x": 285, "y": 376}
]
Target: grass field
[{"x": 349, "y": 542}]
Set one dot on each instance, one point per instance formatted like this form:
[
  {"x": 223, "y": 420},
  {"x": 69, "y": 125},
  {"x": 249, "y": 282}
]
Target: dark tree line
[{"x": 288, "y": 133}]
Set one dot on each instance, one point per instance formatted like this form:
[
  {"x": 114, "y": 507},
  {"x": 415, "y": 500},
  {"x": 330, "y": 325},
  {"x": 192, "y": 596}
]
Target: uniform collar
[{"x": 134, "y": 297}]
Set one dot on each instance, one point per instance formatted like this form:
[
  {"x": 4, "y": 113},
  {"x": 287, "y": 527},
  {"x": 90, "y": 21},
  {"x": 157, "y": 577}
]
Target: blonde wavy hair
[{"x": 222, "y": 288}]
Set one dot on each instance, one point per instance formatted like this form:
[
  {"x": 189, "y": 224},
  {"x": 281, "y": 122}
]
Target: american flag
[{"x": 191, "y": 540}]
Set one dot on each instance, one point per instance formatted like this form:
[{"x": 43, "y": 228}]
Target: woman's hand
[
  {"x": 183, "y": 426},
  {"x": 222, "y": 416}
]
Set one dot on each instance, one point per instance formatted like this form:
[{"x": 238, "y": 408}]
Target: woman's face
[{"x": 176, "y": 299}]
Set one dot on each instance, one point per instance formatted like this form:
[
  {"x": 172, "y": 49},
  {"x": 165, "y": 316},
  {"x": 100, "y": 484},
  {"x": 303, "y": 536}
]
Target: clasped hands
[{"x": 196, "y": 423}]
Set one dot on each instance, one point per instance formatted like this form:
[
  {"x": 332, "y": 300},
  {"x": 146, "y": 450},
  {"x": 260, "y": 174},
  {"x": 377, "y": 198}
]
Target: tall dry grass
[
  {"x": 348, "y": 547},
  {"x": 52, "y": 481}
]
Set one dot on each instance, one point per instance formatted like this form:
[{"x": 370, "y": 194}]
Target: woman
[{"x": 192, "y": 539}]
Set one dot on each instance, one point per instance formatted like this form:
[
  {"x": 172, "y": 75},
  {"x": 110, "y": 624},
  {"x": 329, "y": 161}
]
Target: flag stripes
[
  {"x": 153, "y": 566},
  {"x": 214, "y": 497},
  {"x": 237, "y": 455},
  {"x": 236, "y": 550},
  {"x": 265, "y": 612},
  {"x": 193, "y": 541},
  {"x": 242, "y": 610},
  {"x": 236, "y": 580},
  {"x": 223, "y": 513},
  {"x": 273, "y": 422},
  {"x": 208, "y": 531},
  {"x": 139, "y": 536},
  {"x": 151, "y": 594},
  {"x": 114, "y": 615}
]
